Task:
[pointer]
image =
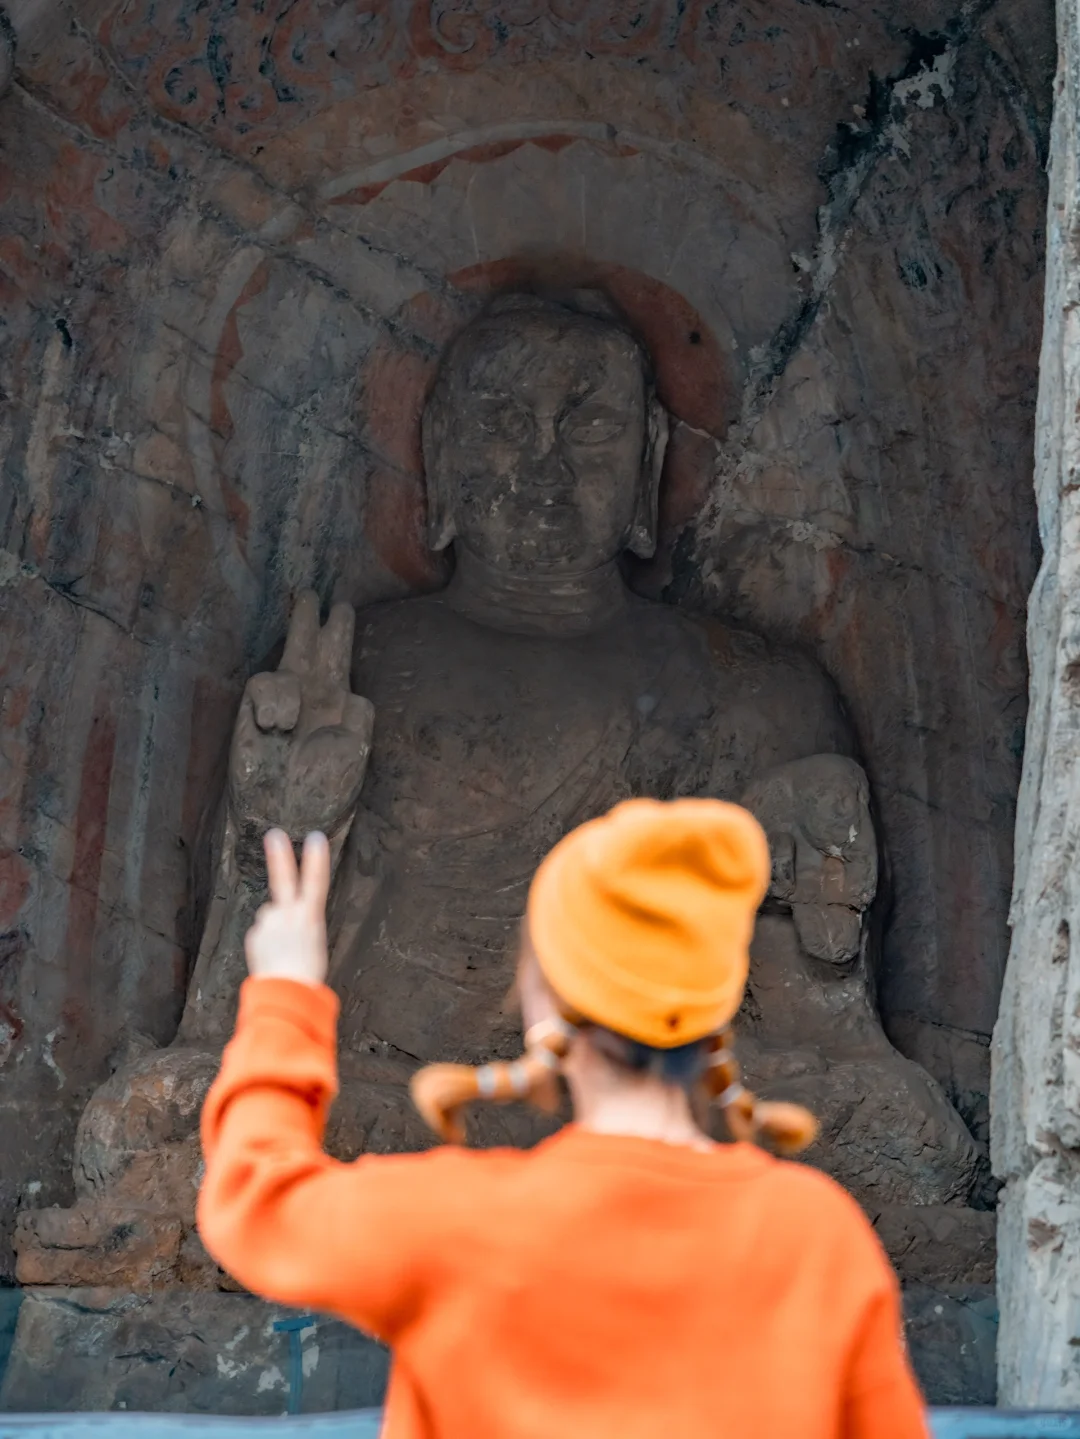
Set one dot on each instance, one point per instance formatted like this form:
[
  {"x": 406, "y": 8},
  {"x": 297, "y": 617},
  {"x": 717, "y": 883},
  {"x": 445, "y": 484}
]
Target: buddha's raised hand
[{"x": 302, "y": 738}]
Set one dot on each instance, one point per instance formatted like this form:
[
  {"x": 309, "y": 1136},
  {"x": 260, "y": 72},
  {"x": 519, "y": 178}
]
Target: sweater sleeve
[
  {"x": 882, "y": 1399},
  {"x": 359, "y": 1240}
]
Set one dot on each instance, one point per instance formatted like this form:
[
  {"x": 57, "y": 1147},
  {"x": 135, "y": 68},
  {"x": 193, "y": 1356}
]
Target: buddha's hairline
[{"x": 594, "y": 308}]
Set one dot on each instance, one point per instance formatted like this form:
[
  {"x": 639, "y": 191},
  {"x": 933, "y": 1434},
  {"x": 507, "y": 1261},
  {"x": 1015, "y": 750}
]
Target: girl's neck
[{"x": 643, "y": 1108}]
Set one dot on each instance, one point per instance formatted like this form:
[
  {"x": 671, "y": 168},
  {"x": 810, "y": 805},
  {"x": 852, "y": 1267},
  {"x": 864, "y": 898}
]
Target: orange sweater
[{"x": 596, "y": 1285}]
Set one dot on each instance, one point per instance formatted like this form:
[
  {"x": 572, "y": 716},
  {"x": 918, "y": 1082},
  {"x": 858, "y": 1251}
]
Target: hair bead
[
  {"x": 552, "y": 1035},
  {"x": 441, "y": 1091},
  {"x": 789, "y": 1127}
]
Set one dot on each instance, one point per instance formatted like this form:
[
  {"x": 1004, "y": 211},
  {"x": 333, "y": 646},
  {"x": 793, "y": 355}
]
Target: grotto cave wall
[
  {"x": 1036, "y": 1088},
  {"x": 233, "y": 244}
]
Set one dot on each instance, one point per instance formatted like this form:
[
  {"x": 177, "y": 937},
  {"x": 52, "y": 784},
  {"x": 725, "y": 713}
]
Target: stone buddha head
[{"x": 544, "y": 439}]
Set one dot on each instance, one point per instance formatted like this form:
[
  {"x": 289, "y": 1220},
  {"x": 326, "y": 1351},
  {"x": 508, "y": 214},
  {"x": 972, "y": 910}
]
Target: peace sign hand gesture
[
  {"x": 302, "y": 739},
  {"x": 288, "y": 938}
]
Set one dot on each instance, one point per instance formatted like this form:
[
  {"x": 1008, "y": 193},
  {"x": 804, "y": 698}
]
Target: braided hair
[{"x": 708, "y": 1066}]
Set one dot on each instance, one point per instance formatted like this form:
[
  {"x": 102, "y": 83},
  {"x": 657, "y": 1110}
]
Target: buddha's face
[{"x": 543, "y": 436}]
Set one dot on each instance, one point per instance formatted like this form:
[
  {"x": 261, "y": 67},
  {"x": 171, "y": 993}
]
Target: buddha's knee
[{"x": 141, "y": 1126}]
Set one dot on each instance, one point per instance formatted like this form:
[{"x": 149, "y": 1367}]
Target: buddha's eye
[
  {"x": 504, "y": 420},
  {"x": 589, "y": 425}
]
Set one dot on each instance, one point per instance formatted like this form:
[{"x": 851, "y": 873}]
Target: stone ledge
[
  {"x": 181, "y": 1351},
  {"x": 192, "y": 1352}
]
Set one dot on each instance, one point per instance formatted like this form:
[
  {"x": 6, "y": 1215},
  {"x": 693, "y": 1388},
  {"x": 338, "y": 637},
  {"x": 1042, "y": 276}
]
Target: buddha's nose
[
  {"x": 548, "y": 463},
  {"x": 545, "y": 439},
  {"x": 551, "y": 479}
]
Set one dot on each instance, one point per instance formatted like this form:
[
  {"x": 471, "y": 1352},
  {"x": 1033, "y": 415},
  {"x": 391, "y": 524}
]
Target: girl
[{"x": 628, "y": 1277}]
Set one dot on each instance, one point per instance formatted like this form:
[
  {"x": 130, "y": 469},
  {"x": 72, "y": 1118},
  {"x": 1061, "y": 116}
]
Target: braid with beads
[
  {"x": 789, "y": 1127},
  {"x": 441, "y": 1091}
]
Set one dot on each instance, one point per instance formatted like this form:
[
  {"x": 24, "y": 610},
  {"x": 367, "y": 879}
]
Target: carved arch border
[{"x": 664, "y": 227}]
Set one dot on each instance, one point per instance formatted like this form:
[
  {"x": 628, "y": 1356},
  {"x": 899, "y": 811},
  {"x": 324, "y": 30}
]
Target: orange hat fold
[{"x": 642, "y": 919}]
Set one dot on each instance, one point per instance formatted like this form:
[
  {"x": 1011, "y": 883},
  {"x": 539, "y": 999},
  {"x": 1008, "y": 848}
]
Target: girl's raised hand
[{"x": 288, "y": 938}]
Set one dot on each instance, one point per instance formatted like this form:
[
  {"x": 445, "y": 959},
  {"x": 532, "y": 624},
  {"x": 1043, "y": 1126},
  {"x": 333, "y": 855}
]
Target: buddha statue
[{"x": 445, "y": 741}]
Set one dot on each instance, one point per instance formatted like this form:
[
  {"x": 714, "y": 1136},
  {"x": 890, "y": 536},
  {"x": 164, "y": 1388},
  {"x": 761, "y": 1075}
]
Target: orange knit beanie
[{"x": 642, "y": 919}]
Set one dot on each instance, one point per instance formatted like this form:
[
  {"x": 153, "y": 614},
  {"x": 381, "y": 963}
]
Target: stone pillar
[{"x": 1035, "y": 1096}]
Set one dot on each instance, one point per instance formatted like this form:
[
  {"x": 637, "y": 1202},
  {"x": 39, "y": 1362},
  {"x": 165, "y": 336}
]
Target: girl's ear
[
  {"x": 535, "y": 1000},
  {"x": 511, "y": 1002}
]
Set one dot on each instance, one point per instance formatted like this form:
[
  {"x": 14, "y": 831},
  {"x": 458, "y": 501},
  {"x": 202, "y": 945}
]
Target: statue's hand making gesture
[{"x": 302, "y": 739}]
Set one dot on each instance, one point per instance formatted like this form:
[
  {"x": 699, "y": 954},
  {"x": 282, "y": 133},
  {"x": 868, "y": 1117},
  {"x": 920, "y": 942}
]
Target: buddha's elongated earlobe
[
  {"x": 434, "y": 437},
  {"x": 643, "y": 531}
]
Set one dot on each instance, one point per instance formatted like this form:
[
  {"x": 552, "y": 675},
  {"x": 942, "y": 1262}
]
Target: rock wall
[
  {"x": 97, "y": 1350},
  {"x": 1036, "y": 1091},
  {"x": 234, "y": 243}
]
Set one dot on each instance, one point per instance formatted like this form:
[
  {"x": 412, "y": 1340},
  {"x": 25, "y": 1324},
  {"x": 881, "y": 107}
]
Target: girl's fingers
[
  {"x": 315, "y": 871},
  {"x": 280, "y": 866}
]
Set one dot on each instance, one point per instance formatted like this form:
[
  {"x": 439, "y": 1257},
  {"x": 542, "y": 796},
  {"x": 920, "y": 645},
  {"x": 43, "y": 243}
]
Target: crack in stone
[
  {"x": 313, "y": 272},
  {"x": 322, "y": 277},
  {"x": 66, "y": 593},
  {"x": 365, "y": 447},
  {"x": 846, "y": 167},
  {"x": 977, "y": 1036},
  {"x": 773, "y": 526},
  {"x": 31, "y": 94},
  {"x": 858, "y": 155},
  {"x": 176, "y": 644},
  {"x": 208, "y": 152}
]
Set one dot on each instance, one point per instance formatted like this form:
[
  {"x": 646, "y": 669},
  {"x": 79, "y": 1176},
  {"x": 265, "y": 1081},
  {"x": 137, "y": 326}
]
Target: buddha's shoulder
[
  {"x": 738, "y": 653},
  {"x": 411, "y": 619}
]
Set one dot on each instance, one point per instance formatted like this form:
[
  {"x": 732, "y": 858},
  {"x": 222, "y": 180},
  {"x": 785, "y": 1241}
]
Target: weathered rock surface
[
  {"x": 100, "y": 1244},
  {"x": 945, "y": 1256},
  {"x": 10, "y": 1304},
  {"x": 939, "y": 1244},
  {"x": 952, "y": 1338},
  {"x": 235, "y": 242},
  {"x": 224, "y": 296},
  {"x": 186, "y": 1353},
  {"x": 1036, "y": 1094},
  {"x": 205, "y": 1353}
]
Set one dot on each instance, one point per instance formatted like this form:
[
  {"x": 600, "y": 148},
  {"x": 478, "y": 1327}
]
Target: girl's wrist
[{"x": 287, "y": 971}]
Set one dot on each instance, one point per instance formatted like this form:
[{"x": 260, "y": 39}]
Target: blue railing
[{"x": 364, "y": 1424}]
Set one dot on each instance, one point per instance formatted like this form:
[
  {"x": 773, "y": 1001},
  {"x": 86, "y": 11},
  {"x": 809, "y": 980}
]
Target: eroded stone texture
[
  {"x": 534, "y": 692},
  {"x": 188, "y": 1353},
  {"x": 235, "y": 245},
  {"x": 207, "y": 1353},
  {"x": 1036, "y": 1109},
  {"x": 938, "y": 1244},
  {"x": 10, "y": 1304},
  {"x": 952, "y": 1337}
]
